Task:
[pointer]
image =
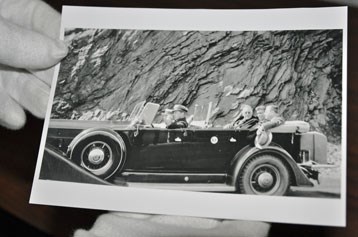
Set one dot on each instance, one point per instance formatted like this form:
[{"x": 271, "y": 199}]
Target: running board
[
  {"x": 315, "y": 165},
  {"x": 319, "y": 166},
  {"x": 185, "y": 187},
  {"x": 169, "y": 178}
]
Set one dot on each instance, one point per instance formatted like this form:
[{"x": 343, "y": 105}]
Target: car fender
[
  {"x": 97, "y": 131},
  {"x": 241, "y": 158}
]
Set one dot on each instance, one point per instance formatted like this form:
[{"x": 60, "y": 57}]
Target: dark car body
[{"x": 206, "y": 159}]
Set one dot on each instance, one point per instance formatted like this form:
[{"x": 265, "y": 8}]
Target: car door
[
  {"x": 158, "y": 150},
  {"x": 211, "y": 150}
]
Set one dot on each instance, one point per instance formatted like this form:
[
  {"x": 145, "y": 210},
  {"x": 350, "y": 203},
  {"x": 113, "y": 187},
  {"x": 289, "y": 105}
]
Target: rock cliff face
[{"x": 112, "y": 70}]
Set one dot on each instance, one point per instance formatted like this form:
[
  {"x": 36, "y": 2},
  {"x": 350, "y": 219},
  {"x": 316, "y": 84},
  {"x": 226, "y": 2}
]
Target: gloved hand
[
  {"x": 259, "y": 130},
  {"x": 28, "y": 51},
  {"x": 142, "y": 225}
]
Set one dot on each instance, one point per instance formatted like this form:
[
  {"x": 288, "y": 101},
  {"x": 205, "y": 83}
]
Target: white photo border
[{"x": 312, "y": 211}]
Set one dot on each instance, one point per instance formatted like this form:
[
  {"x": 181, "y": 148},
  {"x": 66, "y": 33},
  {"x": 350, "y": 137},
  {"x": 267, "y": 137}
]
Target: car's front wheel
[
  {"x": 99, "y": 154},
  {"x": 264, "y": 175}
]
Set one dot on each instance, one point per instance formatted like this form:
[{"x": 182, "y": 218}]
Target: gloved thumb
[
  {"x": 12, "y": 115},
  {"x": 23, "y": 48}
]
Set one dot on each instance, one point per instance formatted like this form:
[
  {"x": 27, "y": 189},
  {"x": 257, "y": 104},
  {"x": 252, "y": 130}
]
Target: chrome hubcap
[
  {"x": 96, "y": 156},
  {"x": 265, "y": 180}
]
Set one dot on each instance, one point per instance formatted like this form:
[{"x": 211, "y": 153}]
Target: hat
[
  {"x": 181, "y": 108},
  {"x": 263, "y": 140}
]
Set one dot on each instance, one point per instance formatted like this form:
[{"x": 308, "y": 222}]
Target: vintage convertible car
[{"x": 139, "y": 153}]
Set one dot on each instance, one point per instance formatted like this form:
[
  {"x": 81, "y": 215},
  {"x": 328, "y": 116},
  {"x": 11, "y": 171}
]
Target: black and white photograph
[{"x": 237, "y": 113}]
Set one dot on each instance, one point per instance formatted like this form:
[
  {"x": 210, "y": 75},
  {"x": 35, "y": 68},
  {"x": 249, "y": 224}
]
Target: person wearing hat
[
  {"x": 179, "y": 112},
  {"x": 167, "y": 118},
  {"x": 260, "y": 113},
  {"x": 272, "y": 119}
]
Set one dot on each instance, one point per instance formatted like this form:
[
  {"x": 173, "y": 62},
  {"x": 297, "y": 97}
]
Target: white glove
[
  {"x": 28, "y": 51},
  {"x": 259, "y": 130},
  {"x": 119, "y": 224}
]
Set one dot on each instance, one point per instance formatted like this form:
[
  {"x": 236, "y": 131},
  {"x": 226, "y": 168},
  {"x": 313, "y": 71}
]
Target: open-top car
[{"x": 139, "y": 153}]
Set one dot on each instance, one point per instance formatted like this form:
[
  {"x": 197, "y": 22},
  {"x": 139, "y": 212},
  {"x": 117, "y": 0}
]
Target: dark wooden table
[{"x": 19, "y": 148}]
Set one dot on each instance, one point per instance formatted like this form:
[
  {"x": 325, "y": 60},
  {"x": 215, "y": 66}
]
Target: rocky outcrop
[{"x": 112, "y": 70}]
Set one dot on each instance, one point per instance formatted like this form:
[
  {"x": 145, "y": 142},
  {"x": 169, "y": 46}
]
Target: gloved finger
[
  {"x": 33, "y": 15},
  {"x": 214, "y": 227},
  {"x": 133, "y": 215},
  {"x": 185, "y": 221},
  {"x": 45, "y": 75},
  {"x": 22, "y": 48},
  {"x": 118, "y": 225},
  {"x": 27, "y": 90},
  {"x": 12, "y": 115},
  {"x": 198, "y": 226}
]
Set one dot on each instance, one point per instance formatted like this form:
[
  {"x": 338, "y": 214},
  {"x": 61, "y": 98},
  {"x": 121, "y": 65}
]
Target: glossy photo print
[
  {"x": 114, "y": 110},
  {"x": 197, "y": 116}
]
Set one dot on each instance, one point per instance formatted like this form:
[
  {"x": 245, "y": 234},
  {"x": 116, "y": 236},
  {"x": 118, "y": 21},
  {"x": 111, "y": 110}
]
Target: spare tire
[{"x": 101, "y": 153}]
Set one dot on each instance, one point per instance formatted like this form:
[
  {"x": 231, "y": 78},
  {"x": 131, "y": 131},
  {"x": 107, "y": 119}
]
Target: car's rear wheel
[
  {"x": 100, "y": 154},
  {"x": 264, "y": 175}
]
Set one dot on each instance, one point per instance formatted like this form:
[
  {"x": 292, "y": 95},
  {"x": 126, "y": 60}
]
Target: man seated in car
[
  {"x": 245, "y": 120},
  {"x": 260, "y": 113},
  {"x": 273, "y": 119},
  {"x": 167, "y": 118},
  {"x": 179, "y": 112}
]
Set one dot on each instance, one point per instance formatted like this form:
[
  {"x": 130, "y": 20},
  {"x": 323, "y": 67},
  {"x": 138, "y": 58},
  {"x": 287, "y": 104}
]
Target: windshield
[
  {"x": 148, "y": 113},
  {"x": 202, "y": 115},
  {"x": 137, "y": 110},
  {"x": 144, "y": 114}
]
